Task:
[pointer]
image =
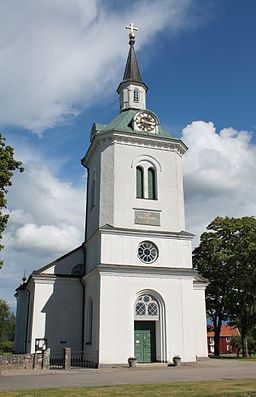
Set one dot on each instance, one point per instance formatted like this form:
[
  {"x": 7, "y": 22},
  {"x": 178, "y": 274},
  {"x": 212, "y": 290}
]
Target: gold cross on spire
[{"x": 132, "y": 29}]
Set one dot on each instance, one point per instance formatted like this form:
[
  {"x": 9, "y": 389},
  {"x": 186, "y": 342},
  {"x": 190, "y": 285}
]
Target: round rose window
[{"x": 147, "y": 252}]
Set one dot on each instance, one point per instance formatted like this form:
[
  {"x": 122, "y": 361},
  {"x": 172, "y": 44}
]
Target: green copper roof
[{"x": 123, "y": 123}]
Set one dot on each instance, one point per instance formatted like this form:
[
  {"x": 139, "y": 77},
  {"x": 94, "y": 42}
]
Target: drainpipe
[
  {"x": 84, "y": 270},
  {"x": 83, "y": 314},
  {"x": 27, "y": 320}
]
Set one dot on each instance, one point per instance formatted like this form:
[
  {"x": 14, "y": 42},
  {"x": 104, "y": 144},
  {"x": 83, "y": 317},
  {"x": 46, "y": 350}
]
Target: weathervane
[{"x": 131, "y": 34}]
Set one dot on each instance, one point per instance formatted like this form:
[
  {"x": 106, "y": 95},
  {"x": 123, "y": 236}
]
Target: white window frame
[{"x": 151, "y": 299}]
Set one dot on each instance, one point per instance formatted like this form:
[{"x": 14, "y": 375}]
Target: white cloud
[
  {"x": 46, "y": 221},
  {"x": 45, "y": 197},
  {"x": 45, "y": 212},
  {"x": 46, "y": 238},
  {"x": 19, "y": 216},
  {"x": 52, "y": 53},
  {"x": 219, "y": 174}
]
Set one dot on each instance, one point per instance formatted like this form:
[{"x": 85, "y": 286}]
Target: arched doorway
[{"x": 149, "y": 328}]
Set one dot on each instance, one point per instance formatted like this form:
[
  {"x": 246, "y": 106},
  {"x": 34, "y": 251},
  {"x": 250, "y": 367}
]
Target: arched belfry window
[
  {"x": 139, "y": 182},
  {"x": 151, "y": 184},
  {"x": 89, "y": 322},
  {"x": 146, "y": 308},
  {"x": 147, "y": 171},
  {"x": 136, "y": 95}
]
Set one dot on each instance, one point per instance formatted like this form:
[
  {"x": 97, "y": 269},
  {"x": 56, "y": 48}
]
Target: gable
[{"x": 68, "y": 264}]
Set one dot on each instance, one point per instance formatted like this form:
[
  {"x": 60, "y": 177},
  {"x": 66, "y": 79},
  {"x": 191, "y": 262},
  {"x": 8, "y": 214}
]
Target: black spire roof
[{"x": 132, "y": 71}]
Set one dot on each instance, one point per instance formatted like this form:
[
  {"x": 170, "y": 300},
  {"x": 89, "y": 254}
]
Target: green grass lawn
[{"x": 236, "y": 388}]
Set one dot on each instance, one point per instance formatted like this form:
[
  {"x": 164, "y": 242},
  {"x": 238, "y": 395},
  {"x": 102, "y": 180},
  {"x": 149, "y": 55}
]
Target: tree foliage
[
  {"x": 7, "y": 327},
  {"x": 236, "y": 342},
  {"x": 227, "y": 257},
  {"x": 8, "y": 165}
]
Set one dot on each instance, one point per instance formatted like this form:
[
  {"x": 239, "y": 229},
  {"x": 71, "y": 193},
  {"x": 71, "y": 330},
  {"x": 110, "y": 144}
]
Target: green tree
[
  {"x": 211, "y": 259},
  {"x": 7, "y": 327},
  {"x": 7, "y": 167},
  {"x": 227, "y": 257},
  {"x": 241, "y": 298},
  {"x": 236, "y": 342}
]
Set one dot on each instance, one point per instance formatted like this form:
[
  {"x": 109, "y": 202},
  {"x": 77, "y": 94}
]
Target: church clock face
[
  {"x": 147, "y": 252},
  {"x": 145, "y": 122}
]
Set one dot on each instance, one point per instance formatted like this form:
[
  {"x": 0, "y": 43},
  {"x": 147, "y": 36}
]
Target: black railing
[
  {"x": 77, "y": 359},
  {"x": 57, "y": 359},
  {"x": 80, "y": 359}
]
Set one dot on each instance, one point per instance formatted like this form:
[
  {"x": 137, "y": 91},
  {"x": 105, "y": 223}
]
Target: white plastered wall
[
  {"x": 117, "y": 297},
  {"x": 169, "y": 182},
  {"x": 92, "y": 291},
  {"x": 51, "y": 296},
  {"x": 199, "y": 322},
  {"x": 122, "y": 249},
  {"x": 93, "y": 252},
  {"x": 21, "y": 321},
  {"x": 92, "y": 215},
  {"x": 118, "y": 201}
]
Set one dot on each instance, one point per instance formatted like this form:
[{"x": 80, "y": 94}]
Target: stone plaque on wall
[{"x": 147, "y": 218}]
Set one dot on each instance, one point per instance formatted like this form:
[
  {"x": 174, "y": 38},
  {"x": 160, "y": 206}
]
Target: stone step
[{"x": 147, "y": 365}]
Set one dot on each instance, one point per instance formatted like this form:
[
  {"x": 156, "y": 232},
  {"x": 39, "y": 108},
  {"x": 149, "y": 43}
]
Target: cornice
[
  {"x": 85, "y": 161},
  {"x": 50, "y": 278},
  {"x": 126, "y": 138},
  {"x": 149, "y": 271},
  {"x": 183, "y": 235},
  {"x": 108, "y": 229}
]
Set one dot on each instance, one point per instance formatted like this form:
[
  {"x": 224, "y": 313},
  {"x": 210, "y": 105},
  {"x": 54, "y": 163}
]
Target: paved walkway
[{"x": 205, "y": 370}]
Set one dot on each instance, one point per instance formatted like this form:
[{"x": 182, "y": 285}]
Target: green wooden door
[
  {"x": 144, "y": 342},
  {"x": 142, "y": 349},
  {"x": 147, "y": 346},
  {"x": 138, "y": 346}
]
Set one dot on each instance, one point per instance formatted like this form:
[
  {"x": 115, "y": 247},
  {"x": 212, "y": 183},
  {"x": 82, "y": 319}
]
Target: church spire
[
  {"x": 132, "y": 90},
  {"x": 132, "y": 71}
]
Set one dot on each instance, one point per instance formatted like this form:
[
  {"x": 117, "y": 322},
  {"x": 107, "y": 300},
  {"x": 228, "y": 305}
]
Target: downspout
[
  {"x": 83, "y": 314},
  {"x": 84, "y": 269},
  {"x": 28, "y": 307}
]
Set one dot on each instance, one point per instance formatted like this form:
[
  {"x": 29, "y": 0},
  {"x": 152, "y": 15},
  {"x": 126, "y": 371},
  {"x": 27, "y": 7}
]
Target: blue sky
[{"x": 60, "y": 65}]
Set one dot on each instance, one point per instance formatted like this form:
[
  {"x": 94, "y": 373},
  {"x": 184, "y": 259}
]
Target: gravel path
[{"x": 205, "y": 370}]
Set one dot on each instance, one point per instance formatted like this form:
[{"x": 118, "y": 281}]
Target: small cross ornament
[{"x": 132, "y": 29}]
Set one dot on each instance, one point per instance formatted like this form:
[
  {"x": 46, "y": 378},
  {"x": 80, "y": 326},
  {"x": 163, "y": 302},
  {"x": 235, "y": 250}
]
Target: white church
[{"x": 130, "y": 289}]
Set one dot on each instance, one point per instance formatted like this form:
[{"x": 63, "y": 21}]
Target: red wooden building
[{"x": 227, "y": 331}]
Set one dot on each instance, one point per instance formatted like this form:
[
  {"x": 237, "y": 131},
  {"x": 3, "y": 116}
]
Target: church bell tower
[{"x": 142, "y": 296}]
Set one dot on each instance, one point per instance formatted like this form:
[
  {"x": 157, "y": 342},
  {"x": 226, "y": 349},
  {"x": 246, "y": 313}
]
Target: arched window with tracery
[
  {"x": 136, "y": 95},
  {"x": 146, "y": 308},
  {"x": 139, "y": 182},
  {"x": 151, "y": 184}
]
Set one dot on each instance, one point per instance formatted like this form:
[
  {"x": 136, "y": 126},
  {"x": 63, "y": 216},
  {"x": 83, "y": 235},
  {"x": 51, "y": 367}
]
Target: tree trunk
[
  {"x": 244, "y": 335},
  {"x": 217, "y": 328},
  {"x": 245, "y": 346}
]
